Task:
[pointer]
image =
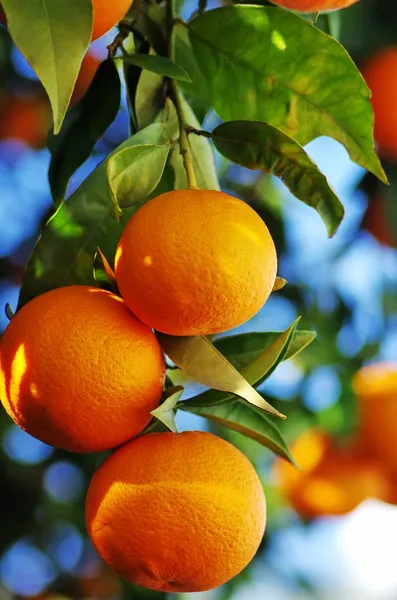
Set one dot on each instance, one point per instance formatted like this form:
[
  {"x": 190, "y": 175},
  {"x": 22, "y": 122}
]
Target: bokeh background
[{"x": 345, "y": 288}]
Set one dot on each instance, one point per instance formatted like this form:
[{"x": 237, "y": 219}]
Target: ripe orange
[
  {"x": 88, "y": 70},
  {"x": 380, "y": 73},
  {"x": 78, "y": 371},
  {"x": 376, "y": 389},
  {"x": 176, "y": 512},
  {"x": 26, "y": 119},
  {"x": 194, "y": 262},
  {"x": 314, "y": 5},
  {"x": 107, "y": 13},
  {"x": 333, "y": 480}
]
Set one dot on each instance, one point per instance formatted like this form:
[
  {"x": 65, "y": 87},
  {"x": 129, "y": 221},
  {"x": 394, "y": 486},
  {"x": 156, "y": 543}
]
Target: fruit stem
[
  {"x": 183, "y": 138},
  {"x": 176, "y": 98}
]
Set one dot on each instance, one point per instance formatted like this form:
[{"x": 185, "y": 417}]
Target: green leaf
[
  {"x": 244, "y": 348},
  {"x": 149, "y": 29},
  {"x": 266, "y": 64},
  {"x": 63, "y": 253},
  {"x": 150, "y": 98},
  {"x": 166, "y": 411},
  {"x": 83, "y": 127},
  {"x": 182, "y": 53},
  {"x": 203, "y": 362},
  {"x": 157, "y": 64},
  {"x": 103, "y": 273},
  {"x": 254, "y": 366},
  {"x": 133, "y": 173},
  {"x": 53, "y": 36},
  {"x": 259, "y": 146},
  {"x": 279, "y": 284},
  {"x": 247, "y": 420},
  {"x": 132, "y": 76}
]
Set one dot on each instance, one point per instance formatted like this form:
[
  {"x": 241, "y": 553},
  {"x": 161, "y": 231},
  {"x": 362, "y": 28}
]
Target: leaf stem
[{"x": 176, "y": 98}]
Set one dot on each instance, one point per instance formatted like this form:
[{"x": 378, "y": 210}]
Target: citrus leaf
[
  {"x": 203, "y": 362},
  {"x": 244, "y": 348},
  {"x": 149, "y": 29},
  {"x": 132, "y": 76},
  {"x": 259, "y": 146},
  {"x": 279, "y": 284},
  {"x": 166, "y": 411},
  {"x": 157, "y": 64},
  {"x": 133, "y": 173},
  {"x": 83, "y": 127},
  {"x": 69, "y": 240},
  {"x": 182, "y": 53},
  {"x": 53, "y": 36},
  {"x": 290, "y": 75},
  {"x": 255, "y": 367},
  {"x": 247, "y": 420},
  {"x": 103, "y": 273}
]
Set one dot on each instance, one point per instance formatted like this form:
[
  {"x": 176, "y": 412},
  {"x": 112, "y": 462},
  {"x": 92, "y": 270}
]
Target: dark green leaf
[
  {"x": 53, "y": 36},
  {"x": 266, "y": 64},
  {"x": 247, "y": 420},
  {"x": 83, "y": 127},
  {"x": 63, "y": 253},
  {"x": 157, "y": 64},
  {"x": 244, "y": 348},
  {"x": 166, "y": 411},
  {"x": 132, "y": 75},
  {"x": 259, "y": 146},
  {"x": 182, "y": 53},
  {"x": 204, "y": 363},
  {"x": 149, "y": 29},
  {"x": 255, "y": 367},
  {"x": 133, "y": 173},
  {"x": 150, "y": 98},
  {"x": 103, "y": 273}
]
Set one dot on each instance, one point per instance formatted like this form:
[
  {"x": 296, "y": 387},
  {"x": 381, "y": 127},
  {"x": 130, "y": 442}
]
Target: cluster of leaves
[{"x": 275, "y": 80}]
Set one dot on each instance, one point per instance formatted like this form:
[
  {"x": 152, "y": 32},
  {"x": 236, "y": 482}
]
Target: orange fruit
[
  {"x": 88, "y": 70},
  {"x": 333, "y": 480},
  {"x": 380, "y": 73},
  {"x": 26, "y": 119},
  {"x": 309, "y": 6},
  {"x": 376, "y": 389},
  {"x": 107, "y": 14},
  {"x": 78, "y": 371},
  {"x": 176, "y": 512},
  {"x": 378, "y": 222},
  {"x": 195, "y": 262}
]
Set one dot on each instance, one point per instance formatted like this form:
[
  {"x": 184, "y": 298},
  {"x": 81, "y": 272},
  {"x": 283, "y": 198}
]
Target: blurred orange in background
[
  {"x": 378, "y": 221},
  {"x": 88, "y": 70},
  {"x": 380, "y": 73},
  {"x": 375, "y": 386},
  {"x": 334, "y": 479},
  {"x": 25, "y": 118}
]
